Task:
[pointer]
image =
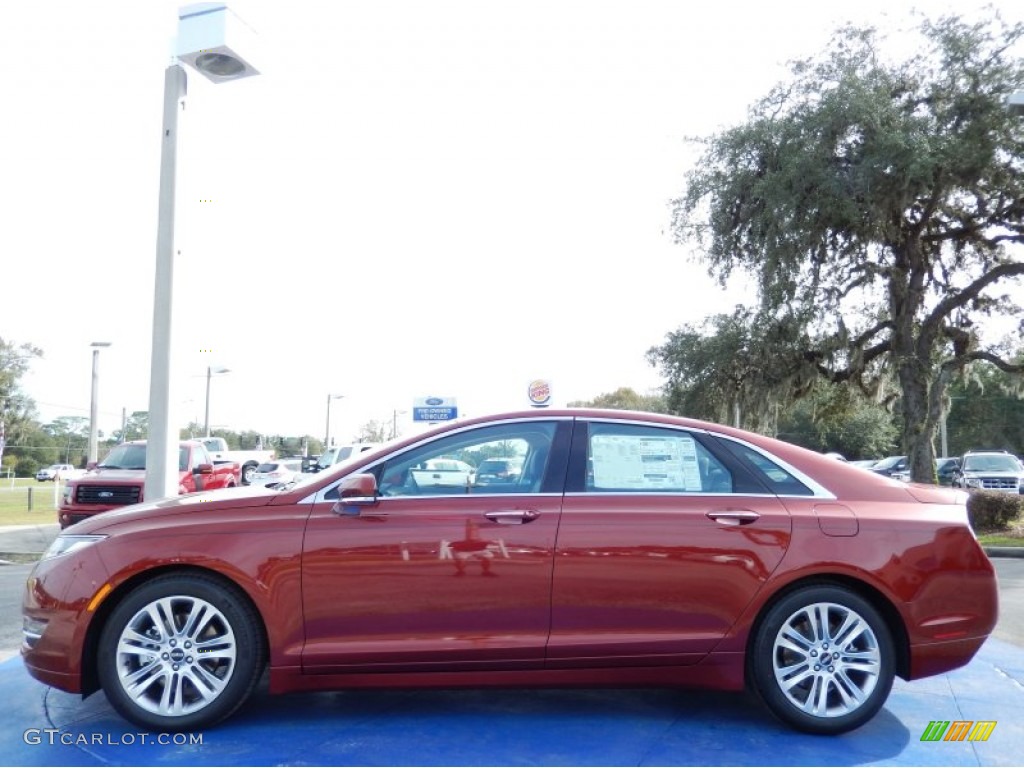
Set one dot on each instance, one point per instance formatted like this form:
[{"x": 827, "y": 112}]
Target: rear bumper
[{"x": 931, "y": 659}]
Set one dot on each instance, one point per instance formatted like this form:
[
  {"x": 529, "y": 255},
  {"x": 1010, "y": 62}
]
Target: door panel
[
  {"x": 435, "y": 576},
  {"x": 658, "y": 577},
  {"x": 657, "y": 570}
]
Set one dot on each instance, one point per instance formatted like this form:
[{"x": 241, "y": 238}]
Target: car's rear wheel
[
  {"x": 180, "y": 652},
  {"x": 823, "y": 660}
]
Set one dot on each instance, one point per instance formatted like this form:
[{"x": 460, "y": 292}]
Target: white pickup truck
[{"x": 248, "y": 460}]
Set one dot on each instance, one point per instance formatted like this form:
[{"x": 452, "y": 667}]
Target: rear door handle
[
  {"x": 733, "y": 516},
  {"x": 512, "y": 516}
]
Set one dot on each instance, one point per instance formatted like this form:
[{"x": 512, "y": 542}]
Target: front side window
[{"x": 508, "y": 458}]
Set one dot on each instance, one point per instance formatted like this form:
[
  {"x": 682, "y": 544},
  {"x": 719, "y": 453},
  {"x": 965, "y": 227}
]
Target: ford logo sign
[
  {"x": 105, "y": 494},
  {"x": 434, "y": 401}
]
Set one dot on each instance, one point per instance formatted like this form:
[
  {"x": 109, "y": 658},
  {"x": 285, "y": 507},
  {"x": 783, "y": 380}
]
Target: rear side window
[
  {"x": 639, "y": 459},
  {"x": 777, "y": 479}
]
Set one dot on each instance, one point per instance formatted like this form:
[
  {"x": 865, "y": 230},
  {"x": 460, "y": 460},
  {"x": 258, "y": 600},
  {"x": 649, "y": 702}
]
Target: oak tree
[{"x": 879, "y": 205}]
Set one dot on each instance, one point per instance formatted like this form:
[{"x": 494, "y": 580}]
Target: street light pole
[
  {"x": 94, "y": 400},
  {"x": 395, "y": 413},
  {"x": 327, "y": 434},
  {"x": 204, "y": 43},
  {"x": 210, "y": 370},
  {"x": 161, "y": 474}
]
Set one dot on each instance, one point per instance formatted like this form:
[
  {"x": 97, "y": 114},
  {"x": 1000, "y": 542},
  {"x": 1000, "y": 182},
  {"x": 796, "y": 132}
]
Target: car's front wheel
[
  {"x": 823, "y": 660},
  {"x": 247, "y": 472},
  {"x": 180, "y": 652}
]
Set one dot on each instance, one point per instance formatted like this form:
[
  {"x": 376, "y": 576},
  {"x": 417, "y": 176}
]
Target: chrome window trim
[
  {"x": 680, "y": 494},
  {"x": 318, "y": 496}
]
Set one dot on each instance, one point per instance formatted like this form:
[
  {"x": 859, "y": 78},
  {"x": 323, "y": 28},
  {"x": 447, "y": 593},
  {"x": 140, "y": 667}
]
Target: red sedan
[{"x": 630, "y": 549}]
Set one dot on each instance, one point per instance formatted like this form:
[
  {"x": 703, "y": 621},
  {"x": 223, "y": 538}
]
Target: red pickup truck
[{"x": 119, "y": 479}]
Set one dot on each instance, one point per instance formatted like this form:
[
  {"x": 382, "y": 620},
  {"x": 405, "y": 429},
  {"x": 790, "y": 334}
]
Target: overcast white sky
[{"x": 415, "y": 198}]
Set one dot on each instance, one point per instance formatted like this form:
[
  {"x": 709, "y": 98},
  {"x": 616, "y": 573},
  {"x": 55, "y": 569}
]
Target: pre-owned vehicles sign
[{"x": 434, "y": 409}]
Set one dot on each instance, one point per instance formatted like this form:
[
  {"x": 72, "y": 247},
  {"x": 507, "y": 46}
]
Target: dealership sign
[{"x": 434, "y": 409}]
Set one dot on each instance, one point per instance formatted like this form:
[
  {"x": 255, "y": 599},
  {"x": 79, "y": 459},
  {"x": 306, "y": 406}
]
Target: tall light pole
[
  {"x": 327, "y": 433},
  {"x": 394, "y": 422},
  {"x": 208, "y": 34},
  {"x": 210, "y": 370},
  {"x": 94, "y": 400}
]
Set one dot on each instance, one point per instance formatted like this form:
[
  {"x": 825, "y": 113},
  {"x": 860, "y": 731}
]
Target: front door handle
[
  {"x": 512, "y": 516},
  {"x": 733, "y": 516}
]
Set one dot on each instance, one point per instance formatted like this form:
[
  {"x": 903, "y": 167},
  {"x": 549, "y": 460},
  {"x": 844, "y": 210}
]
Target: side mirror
[
  {"x": 203, "y": 469},
  {"x": 355, "y": 492}
]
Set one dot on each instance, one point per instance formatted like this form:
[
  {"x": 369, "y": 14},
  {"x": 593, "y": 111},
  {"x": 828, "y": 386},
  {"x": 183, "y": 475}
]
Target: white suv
[
  {"x": 342, "y": 453},
  {"x": 990, "y": 471},
  {"x": 55, "y": 471}
]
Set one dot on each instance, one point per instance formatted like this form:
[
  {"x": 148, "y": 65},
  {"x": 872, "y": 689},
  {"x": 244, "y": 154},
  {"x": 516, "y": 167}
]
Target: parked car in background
[
  {"x": 444, "y": 471},
  {"x": 276, "y": 472},
  {"x": 890, "y": 465},
  {"x": 58, "y": 472},
  {"x": 945, "y": 469},
  {"x": 626, "y": 550},
  {"x": 990, "y": 471},
  {"x": 120, "y": 479},
  {"x": 341, "y": 453},
  {"x": 863, "y": 463},
  {"x": 247, "y": 460},
  {"x": 505, "y": 469}
]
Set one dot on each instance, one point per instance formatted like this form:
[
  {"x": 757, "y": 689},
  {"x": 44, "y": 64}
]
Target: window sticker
[{"x": 645, "y": 463}]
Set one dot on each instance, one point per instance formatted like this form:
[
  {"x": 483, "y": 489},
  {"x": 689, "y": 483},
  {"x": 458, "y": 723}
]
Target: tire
[
  {"x": 815, "y": 625},
  {"x": 247, "y": 472},
  {"x": 148, "y": 662}
]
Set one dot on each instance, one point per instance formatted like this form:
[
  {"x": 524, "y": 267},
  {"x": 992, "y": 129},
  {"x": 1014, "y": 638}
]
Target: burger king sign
[{"x": 539, "y": 393}]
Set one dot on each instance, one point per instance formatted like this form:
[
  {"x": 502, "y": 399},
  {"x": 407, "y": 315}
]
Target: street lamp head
[
  {"x": 217, "y": 369},
  {"x": 1015, "y": 103},
  {"x": 100, "y": 344},
  {"x": 209, "y": 38}
]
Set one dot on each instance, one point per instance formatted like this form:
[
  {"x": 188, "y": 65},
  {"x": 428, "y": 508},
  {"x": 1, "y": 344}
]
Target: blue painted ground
[{"x": 41, "y": 726}]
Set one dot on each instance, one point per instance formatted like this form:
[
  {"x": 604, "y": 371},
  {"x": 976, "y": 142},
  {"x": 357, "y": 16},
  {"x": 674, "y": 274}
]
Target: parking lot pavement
[{"x": 42, "y": 726}]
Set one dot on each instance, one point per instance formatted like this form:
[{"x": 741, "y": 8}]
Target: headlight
[
  {"x": 972, "y": 482},
  {"x": 65, "y": 545},
  {"x": 68, "y": 491}
]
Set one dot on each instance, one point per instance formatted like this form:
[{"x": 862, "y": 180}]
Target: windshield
[
  {"x": 127, "y": 456},
  {"x": 999, "y": 463},
  {"x": 888, "y": 463}
]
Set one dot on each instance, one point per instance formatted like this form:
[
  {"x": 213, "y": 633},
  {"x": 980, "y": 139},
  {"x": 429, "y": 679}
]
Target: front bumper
[{"x": 58, "y": 598}]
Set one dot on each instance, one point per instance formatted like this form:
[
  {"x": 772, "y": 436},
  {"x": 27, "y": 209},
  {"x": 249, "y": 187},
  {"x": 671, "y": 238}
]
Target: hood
[
  {"x": 115, "y": 475},
  {"x": 225, "y": 499}
]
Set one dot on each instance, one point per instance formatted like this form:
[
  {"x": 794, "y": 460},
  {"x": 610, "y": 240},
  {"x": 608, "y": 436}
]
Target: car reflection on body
[{"x": 627, "y": 549}]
